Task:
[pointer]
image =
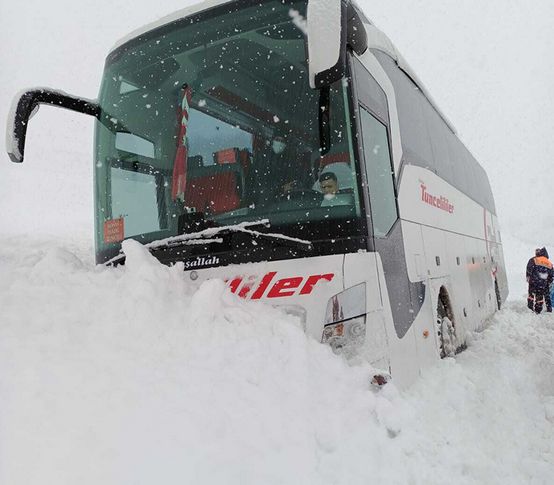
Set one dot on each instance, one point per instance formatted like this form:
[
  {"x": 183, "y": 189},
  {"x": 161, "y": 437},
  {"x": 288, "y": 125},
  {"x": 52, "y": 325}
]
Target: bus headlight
[
  {"x": 345, "y": 335},
  {"x": 345, "y": 320}
]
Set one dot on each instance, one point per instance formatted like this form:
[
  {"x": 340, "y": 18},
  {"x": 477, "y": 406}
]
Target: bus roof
[{"x": 179, "y": 14}]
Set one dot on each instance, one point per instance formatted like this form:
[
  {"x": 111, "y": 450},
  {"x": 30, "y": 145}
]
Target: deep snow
[{"x": 131, "y": 375}]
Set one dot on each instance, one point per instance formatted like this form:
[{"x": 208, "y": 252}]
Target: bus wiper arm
[
  {"x": 302, "y": 244},
  {"x": 206, "y": 235},
  {"x": 244, "y": 227}
]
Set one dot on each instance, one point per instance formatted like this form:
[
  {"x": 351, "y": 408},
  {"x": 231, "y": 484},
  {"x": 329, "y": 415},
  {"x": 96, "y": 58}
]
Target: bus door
[{"x": 380, "y": 196}]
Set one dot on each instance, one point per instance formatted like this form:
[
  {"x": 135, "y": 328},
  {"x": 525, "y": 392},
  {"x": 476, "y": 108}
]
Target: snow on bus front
[{"x": 300, "y": 287}]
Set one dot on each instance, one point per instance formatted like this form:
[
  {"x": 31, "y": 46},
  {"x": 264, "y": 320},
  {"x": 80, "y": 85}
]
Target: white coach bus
[{"x": 287, "y": 148}]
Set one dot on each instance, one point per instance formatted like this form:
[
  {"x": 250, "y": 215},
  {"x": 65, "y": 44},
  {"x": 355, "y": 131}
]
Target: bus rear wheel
[{"x": 446, "y": 328}]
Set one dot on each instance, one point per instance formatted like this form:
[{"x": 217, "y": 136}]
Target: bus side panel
[
  {"x": 415, "y": 252},
  {"x": 434, "y": 241},
  {"x": 460, "y": 289},
  {"x": 474, "y": 252},
  {"x": 427, "y": 199},
  {"x": 404, "y": 362},
  {"x": 425, "y": 326}
]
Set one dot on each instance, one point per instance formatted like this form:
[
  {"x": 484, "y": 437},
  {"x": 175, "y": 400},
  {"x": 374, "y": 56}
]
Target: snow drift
[{"x": 132, "y": 375}]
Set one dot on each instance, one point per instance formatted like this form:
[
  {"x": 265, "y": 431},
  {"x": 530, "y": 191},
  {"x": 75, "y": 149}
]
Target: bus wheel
[
  {"x": 446, "y": 328},
  {"x": 498, "y": 298}
]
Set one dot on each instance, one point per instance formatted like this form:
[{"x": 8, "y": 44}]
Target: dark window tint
[{"x": 439, "y": 135}]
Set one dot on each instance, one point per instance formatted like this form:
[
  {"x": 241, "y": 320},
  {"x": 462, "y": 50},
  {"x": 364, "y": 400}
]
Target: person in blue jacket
[{"x": 540, "y": 274}]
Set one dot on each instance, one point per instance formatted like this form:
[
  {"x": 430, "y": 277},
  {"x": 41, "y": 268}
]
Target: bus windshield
[{"x": 212, "y": 122}]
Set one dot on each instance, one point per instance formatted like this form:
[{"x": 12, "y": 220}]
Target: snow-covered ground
[{"x": 132, "y": 376}]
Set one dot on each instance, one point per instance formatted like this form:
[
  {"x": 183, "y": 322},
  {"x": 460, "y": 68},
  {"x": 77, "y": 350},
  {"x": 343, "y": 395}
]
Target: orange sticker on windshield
[{"x": 114, "y": 230}]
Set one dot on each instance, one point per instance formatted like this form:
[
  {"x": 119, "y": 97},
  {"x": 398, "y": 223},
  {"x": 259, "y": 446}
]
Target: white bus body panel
[
  {"x": 457, "y": 231},
  {"x": 382, "y": 349},
  {"x": 450, "y": 242}
]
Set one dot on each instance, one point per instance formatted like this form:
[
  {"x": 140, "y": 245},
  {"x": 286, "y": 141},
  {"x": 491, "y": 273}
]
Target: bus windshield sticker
[{"x": 114, "y": 230}]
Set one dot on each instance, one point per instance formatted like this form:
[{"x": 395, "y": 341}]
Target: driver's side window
[{"x": 380, "y": 173}]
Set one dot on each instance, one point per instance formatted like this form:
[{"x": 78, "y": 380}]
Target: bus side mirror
[
  {"x": 25, "y": 105},
  {"x": 332, "y": 26},
  {"x": 326, "y": 30}
]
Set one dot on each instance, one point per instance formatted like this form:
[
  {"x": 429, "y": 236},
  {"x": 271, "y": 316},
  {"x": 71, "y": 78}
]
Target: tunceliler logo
[{"x": 439, "y": 202}]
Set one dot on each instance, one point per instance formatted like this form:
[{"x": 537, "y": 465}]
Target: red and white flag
[{"x": 179, "y": 182}]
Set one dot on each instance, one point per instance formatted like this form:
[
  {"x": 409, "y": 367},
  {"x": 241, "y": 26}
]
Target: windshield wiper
[
  {"x": 205, "y": 235},
  {"x": 209, "y": 236},
  {"x": 282, "y": 239}
]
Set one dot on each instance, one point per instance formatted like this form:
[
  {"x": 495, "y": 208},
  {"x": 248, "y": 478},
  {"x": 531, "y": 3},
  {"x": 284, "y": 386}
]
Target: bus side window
[{"x": 379, "y": 172}]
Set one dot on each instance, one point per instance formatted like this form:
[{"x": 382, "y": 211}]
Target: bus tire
[{"x": 446, "y": 328}]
